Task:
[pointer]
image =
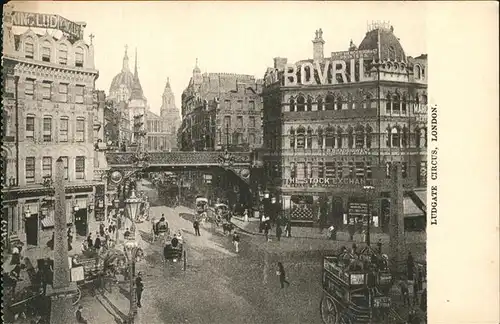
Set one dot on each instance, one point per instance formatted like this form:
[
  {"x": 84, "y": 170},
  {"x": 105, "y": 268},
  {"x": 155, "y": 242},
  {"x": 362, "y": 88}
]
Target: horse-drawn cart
[
  {"x": 86, "y": 270},
  {"x": 356, "y": 289}
]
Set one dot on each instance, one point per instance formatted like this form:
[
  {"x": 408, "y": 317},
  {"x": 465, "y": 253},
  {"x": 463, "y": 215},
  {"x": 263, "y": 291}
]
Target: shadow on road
[{"x": 112, "y": 309}]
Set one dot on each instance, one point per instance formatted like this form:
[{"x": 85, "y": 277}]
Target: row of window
[
  {"x": 63, "y": 129},
  {"x": 238, "y": 138},
  {"x": 239, "y": 121},
  {"x": 360, "y": 170},
  {"x": 239, "y": 104},
  {"x": 394, "y": 103},
  {"x": 356, "y": 138},
  {"x": 47, "y": 167},
  {"x": 46, "y": 90},
  {"x": 62, "y": 57}
]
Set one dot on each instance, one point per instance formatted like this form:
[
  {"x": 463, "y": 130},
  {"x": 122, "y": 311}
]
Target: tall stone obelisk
[
  {"x": 396, "y": 224},
  {"x": 62, "y": 288}
]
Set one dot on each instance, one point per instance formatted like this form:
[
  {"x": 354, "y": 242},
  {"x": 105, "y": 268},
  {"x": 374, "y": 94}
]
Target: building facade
[
  {"x": 334, "y": 125},
  {"x": 221, "y": 111},
  {"x": 51, "y": 110},
  {"x": 117, "y": 126},
  {"x": 162, "y": 130}
]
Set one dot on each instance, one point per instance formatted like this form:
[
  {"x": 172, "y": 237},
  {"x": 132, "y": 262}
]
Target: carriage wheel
[
  {"x": 329, "y": 312},
  {"x": 77, "y": 296}
]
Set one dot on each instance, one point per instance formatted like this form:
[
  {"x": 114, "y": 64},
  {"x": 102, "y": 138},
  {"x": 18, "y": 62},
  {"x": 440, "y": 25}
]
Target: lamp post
[
  {"x": 368, "y": 194},
  {"x": 131, "y": 248},
  {"x": 132, "y": 204}
]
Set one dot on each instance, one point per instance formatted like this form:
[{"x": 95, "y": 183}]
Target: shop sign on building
[
  {"x": 336, "y": 67},
  {"x": 358, "y": 209},
  {"x": 39, "y": 20},
  {"x": 347, "y": 151},
  {"x": 322, "y": 182},
  {"x": 348, "y": 55},
  {"x": 420, "y": 112}
]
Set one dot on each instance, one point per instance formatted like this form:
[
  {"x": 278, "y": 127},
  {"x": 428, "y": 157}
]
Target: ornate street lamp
[
  {"x": 131, "y": 250},
  {"x": 369, "y": 195},
  {"x": 132, "y": 204}
]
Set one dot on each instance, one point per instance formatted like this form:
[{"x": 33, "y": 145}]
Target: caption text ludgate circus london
[{"x": 434, "y": 165}]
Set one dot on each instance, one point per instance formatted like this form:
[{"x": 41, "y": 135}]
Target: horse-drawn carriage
[
  {"x": 86, "y": 270},
  {"x": 356, "y": 289},
  {"x": 161, "y": 230}
]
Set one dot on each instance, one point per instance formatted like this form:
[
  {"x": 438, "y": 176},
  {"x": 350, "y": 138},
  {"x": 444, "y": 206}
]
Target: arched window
[
  {"x": 403, "y": 105},
  {"x": 330, "y": 137},
  {"x": 339, "y": 103},
  {"x": 79, "y": 57},
  {"x": 396, "y": 105},
  {"x": 368, "y": 136},
  {"x": 63, "y": 54},
  {"x": 367, "y": 102},
  {"x": 320, "y": 138},
  {"x": 388, "y": 136},
  {"x": 329, "y": 101},
  {"x": 301, "y": 137},
  {"x": 339, "y": 137},
  {"x": 360, "y": 137},
  {"x": 309, "y": 139},
  {"x": 350, "y": 137},
  {"x": 418, "y": 72},
  {"x": 292, "y": 104},
  {"x": 404, "y": 138},
  {"x": 388, "y": 104},
  {"x": 395, "y": 138},
  {"x": 301, "y": 103},
  {"x": 424, "y": 99},
  {"x": 309, "y": 104},
  {"x": 320, "y": 103},
  {"x": 46, "y": 49},
  {"x": 29, "y": 48},
  {"x": 293, "y": 170},
  {"x": 292, "y": 138}
]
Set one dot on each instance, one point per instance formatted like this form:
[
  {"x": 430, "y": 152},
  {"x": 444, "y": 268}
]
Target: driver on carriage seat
[{"x": 175, "y": 241}]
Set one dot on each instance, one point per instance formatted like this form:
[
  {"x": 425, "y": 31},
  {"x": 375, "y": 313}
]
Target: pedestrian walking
[
  {"x": 126, "y": 234},
  {"x": 101, "y": 229},
  {"x": 281, "y": 273},
  {"x": 266, "y": 232},
  {"x": 97, "y": 243},
  {"x": 139, "y": 287},
  {"x": 16, "y": 256},
  {"x": 196, "y": 226},
  {"x": 90, "y": 243},
  {"x": 278, "y": 232},
  {"x": 332, "y": 233},
  {"x": 410, "y": 266},
  {"x": 79, "y": 315},
  {"x": 236, "y": 241},
  {"x": 288, "y": 229},
  {"x": 405, "y": 293}
]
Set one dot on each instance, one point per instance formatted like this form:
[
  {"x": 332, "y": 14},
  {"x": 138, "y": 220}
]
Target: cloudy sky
[{"x": 229, "y": 37}]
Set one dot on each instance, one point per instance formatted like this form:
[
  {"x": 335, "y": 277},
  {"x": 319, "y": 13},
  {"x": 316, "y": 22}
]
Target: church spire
[
  {"x": 125, "y": 67},
  {"x": 168, "y": 83}
]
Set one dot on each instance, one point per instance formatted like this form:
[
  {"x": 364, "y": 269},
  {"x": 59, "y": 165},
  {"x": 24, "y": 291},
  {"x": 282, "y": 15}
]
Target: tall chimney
[{"x": 318, "y": 43}]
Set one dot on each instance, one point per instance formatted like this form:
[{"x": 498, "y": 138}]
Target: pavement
[{"x": 219, "y": 285}]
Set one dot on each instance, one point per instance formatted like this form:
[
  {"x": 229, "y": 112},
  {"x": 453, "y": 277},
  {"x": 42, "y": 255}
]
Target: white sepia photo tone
[{"x": 231, "y": 162}]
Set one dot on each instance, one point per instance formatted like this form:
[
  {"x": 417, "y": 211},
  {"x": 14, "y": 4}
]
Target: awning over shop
[
  {"x": 422, "y": 194},
  {"x": 48, "y": 221},
  {"x": 410, "y": 208}
]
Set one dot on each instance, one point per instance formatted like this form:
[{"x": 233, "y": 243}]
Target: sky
[{"x": 230, "y": 37}]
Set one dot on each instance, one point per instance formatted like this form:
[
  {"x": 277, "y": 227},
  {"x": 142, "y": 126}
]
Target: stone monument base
[{"x": 62, "y": 309}]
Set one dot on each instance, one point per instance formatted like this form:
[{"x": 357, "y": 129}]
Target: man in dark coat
[
  {"x": 139, "y": 287},
  {"x": 410, "y": 265}
]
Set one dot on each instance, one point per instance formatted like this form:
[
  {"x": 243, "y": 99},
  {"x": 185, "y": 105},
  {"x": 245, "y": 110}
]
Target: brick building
[
  {"x": 334, "y": 125},
  {"x": 221, "y": 111},
  {"x": 51, "y": 110}
]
